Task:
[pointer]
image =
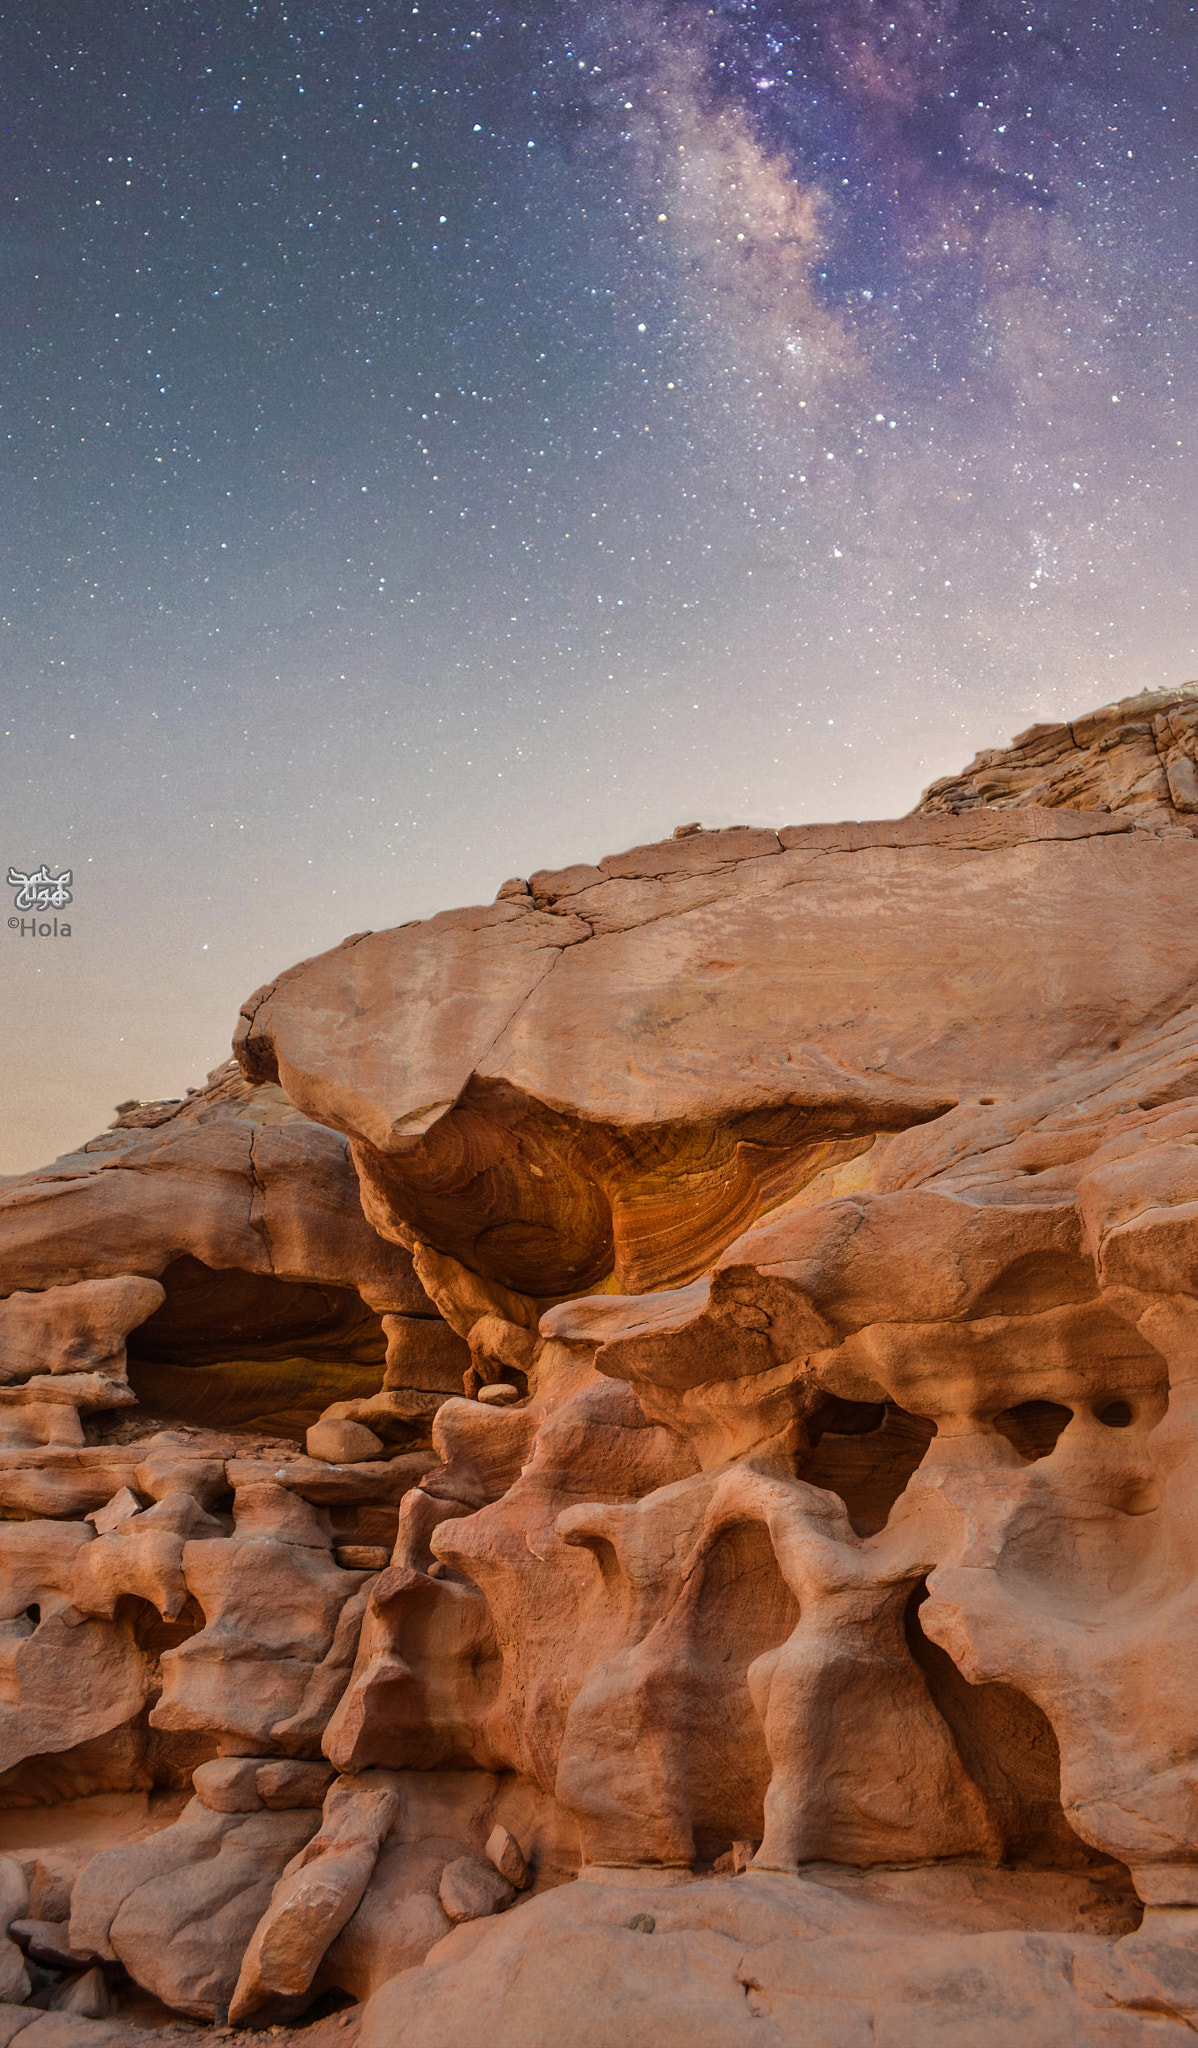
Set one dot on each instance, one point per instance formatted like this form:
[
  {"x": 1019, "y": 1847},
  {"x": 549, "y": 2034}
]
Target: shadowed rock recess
[{"x": 628, "y": 1472}]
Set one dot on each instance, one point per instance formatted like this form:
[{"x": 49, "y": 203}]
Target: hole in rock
[
  {"x": 328, "y": 2003},
  {"x": 131, "y": 1759},
  {"x": 211, "y": 1313},
  {"x": 33, "y": 1613},
  {"x": 836, "y": 1417},
  {"x": 153, "y": 1635},
  {"x": 865, "y": 1452},
  {"x": 1116, "y": 1414},
  {"x": 509, "y": 1376},
  {"x": 243, "y": 1351},
  {"x": 1033, "y": 1427}
]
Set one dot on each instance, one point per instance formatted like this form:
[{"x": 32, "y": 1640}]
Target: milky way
[{"x": 445, "y": 440}]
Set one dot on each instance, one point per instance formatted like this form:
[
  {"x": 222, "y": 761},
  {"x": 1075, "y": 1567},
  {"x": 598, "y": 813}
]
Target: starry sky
[{"x": 444, "y": 440}]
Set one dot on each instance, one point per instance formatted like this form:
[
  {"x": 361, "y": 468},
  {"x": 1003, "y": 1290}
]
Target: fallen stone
[
  {"x": 363, "y": 1557},
  {"x": 229, "y": 1784},
  {"x": 397, "y": 1921},
  {"x": 470, "y": 1890},
  {"x": 79, "y": 1328},
  {"x": 179, "y": 1909},
  {"x": 343, "y": 1443},
  {"x": 87, "y": 1996},
  {"x": 286, "y": 1784},
  {"x": 48, "y": 1942},
  {"x": 505, "y": 1853},
  {"x": 315, "y": 1895},
  {"x": 116, "y": 1513},
  {"x": 14, "y": 1892}
]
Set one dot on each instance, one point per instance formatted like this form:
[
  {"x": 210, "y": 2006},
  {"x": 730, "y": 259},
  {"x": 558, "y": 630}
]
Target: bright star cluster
[{"x": 446, "y": 439}]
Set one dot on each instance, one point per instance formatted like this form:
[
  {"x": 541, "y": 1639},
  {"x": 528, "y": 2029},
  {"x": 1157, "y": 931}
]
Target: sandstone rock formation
[
  {"x": 1138, "y": 759},
  {"x": 630, "y": 1473}
]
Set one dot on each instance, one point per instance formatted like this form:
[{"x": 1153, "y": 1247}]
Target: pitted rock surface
[{"x": 630, "y": 1472}]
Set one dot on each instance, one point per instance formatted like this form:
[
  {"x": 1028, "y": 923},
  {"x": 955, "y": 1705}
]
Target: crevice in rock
[
  {"x": 1008, "y": 1747},
  {"x": 257, "y": 1212},
  {"x": 236, "y": 1350}
]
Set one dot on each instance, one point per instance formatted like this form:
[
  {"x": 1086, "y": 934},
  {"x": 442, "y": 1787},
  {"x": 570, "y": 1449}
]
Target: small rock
[
  {"x": 362, "y": 1557},
  {"x": 48, "y": 1942},
  {"x": 88, "y": 1996},
  {"x": 501, "y": 1395},
  {"x": 1183, "y": 783},
  {"x": 15, "y": 1986},
  {"x": 119, "y": 1510},
  {"x": 286, "y": 1784},
  {"x": 504, "y": 1851},
  {"x": 642, "y": 1923},
  {"x": 343, "y": 1443},
  {"x": 735, "y": 1861},
  {"x": 470, "y": 1890},
  {"x": 14, "y": 1892},
  {"x": 228, "y": 1784}
]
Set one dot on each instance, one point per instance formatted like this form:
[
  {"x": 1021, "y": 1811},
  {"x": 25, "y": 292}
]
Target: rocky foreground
[{"x": 628, "y": 1472}]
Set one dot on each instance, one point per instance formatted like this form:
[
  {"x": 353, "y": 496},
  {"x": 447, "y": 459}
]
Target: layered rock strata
[{"x": 630, "y": 1471}]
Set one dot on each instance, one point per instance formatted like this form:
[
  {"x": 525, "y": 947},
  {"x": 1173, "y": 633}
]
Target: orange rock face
[{"x": 632, "y": 1472}]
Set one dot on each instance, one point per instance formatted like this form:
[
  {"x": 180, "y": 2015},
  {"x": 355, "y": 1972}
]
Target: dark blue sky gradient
[{"x": 441, "y": 441}]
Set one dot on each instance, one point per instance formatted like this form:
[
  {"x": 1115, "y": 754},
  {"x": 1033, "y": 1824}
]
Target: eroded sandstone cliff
[{"x": 630, "y": 1472}]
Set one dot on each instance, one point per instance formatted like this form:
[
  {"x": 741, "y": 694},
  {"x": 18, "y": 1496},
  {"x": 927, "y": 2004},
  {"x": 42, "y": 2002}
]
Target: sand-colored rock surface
[
  {"x": 630, "y": 1473},
  {"x": 1137, "y": 759},
  {"x": 703, "y": 1027},
  {"x": 247, "y": 1216},
  {"x": 810, "y": 1962}
]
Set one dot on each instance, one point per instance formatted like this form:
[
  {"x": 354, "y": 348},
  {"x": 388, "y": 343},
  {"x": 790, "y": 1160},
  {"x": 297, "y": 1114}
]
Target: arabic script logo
[{"x": 40, "y": 890}]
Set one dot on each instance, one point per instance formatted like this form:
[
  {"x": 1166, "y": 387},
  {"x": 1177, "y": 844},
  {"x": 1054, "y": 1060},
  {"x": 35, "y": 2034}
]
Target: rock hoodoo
[{"x": 629, "y": 1469}]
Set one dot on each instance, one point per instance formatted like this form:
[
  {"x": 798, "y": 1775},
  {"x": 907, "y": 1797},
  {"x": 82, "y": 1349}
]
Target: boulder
[
  {"x": 72, "y": 1329},
  {"x": 470, "y": 1890},
  {"x": 180, "y": 1909},
  {"x": 86, "y": 1995},
  {"x": 316, "y": 1895},
  {"x": 505, "y": 1853},
  {"x": 340, "y": 1442}
]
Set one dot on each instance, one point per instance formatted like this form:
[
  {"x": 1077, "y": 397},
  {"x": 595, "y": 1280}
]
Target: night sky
[{"x": 445, "y": 440}]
